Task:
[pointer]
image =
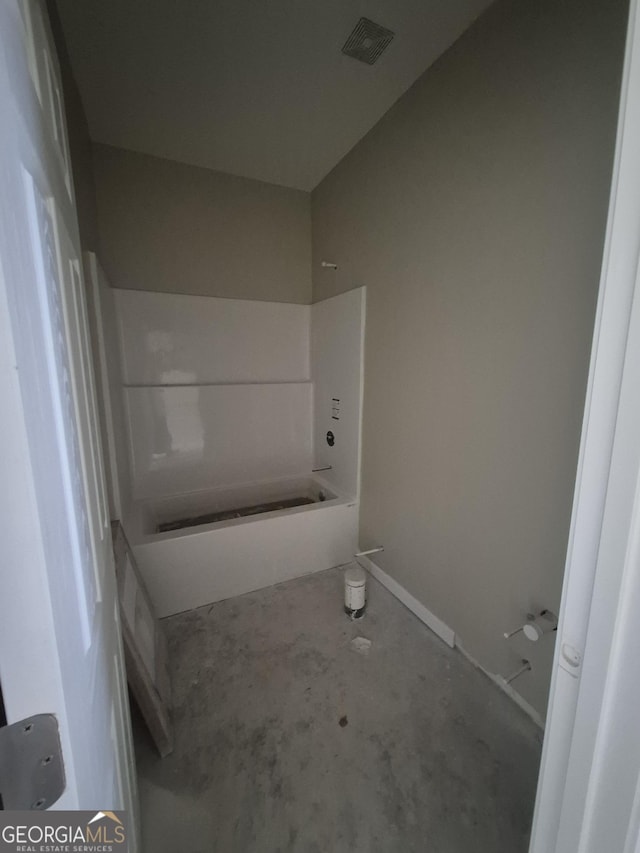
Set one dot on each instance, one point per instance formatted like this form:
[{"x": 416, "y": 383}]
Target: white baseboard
[
  {"x": 445, "y": 633},
  {"x": 423, "y": 613},
  {"x": 529, "y": 710}
]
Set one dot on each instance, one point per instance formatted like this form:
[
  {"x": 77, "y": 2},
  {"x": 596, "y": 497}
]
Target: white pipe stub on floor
[{"x": 355, "y": 591}]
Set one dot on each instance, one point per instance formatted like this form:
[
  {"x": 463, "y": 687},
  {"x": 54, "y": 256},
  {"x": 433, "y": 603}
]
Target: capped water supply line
[
  {"x": 536, "y": 626},
  {"x": 526, "y": 667},
  {"x": 355, "y": 586}
]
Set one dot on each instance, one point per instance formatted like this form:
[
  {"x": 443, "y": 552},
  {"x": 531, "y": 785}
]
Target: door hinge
[{"x": 31, "y": 766}]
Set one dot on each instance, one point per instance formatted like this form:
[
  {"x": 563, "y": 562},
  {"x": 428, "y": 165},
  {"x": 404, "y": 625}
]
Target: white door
[
  {"x": 60, "y": 647},
  {"x": 589, "y": 789}
]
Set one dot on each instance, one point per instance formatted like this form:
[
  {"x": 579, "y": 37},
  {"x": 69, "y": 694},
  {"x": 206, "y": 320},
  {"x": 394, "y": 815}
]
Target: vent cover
[{"x": 367, "y": 41}]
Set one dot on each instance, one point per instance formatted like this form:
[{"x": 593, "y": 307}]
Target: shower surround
[{"x": 230, "y": 405}]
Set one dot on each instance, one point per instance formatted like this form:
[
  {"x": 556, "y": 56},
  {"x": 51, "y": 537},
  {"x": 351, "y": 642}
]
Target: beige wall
[
  {"x": 475, "y": 213},
  {"x": 175, "y": 228}
]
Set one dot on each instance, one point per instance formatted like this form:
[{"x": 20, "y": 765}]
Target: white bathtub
[{"x": 201, "y": 564}]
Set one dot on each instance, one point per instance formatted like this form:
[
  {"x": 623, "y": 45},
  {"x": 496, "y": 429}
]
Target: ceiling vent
[{"x": 368, "y": 41}]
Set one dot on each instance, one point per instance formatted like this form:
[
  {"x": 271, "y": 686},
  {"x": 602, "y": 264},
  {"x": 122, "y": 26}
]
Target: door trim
[{"x": 561, "y": 809}]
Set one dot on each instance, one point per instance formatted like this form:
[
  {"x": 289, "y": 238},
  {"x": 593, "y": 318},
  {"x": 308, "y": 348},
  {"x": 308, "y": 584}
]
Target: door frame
[{"x": 593, "y": 679}]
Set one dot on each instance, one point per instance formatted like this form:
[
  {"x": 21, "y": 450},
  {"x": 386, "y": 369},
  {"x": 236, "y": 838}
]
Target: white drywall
[{"x": 337, "y": 353}]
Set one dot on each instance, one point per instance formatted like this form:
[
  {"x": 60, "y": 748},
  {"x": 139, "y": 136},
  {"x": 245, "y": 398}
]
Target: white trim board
[
  {"x": 446, "y": 634},
  {"x": 498, "y": 680},
  {"x": 423, "y": 613}
]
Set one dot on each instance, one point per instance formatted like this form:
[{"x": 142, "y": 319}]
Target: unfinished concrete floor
[{"x": 287, "y": 739}]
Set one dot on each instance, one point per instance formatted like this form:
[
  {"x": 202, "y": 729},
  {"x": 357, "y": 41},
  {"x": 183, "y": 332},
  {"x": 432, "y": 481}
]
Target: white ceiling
[{"x": 257, "y": 88}]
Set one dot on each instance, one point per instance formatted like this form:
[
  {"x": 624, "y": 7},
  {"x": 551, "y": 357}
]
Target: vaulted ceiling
[{"x": 258, "y": 88}]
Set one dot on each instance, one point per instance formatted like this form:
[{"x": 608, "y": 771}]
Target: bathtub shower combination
[
  {"x": 270, "y": 532},
  {"x": 228, "y": 408}
]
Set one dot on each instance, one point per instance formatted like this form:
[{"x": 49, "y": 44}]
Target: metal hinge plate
[{"x": 31, "y": 766}]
